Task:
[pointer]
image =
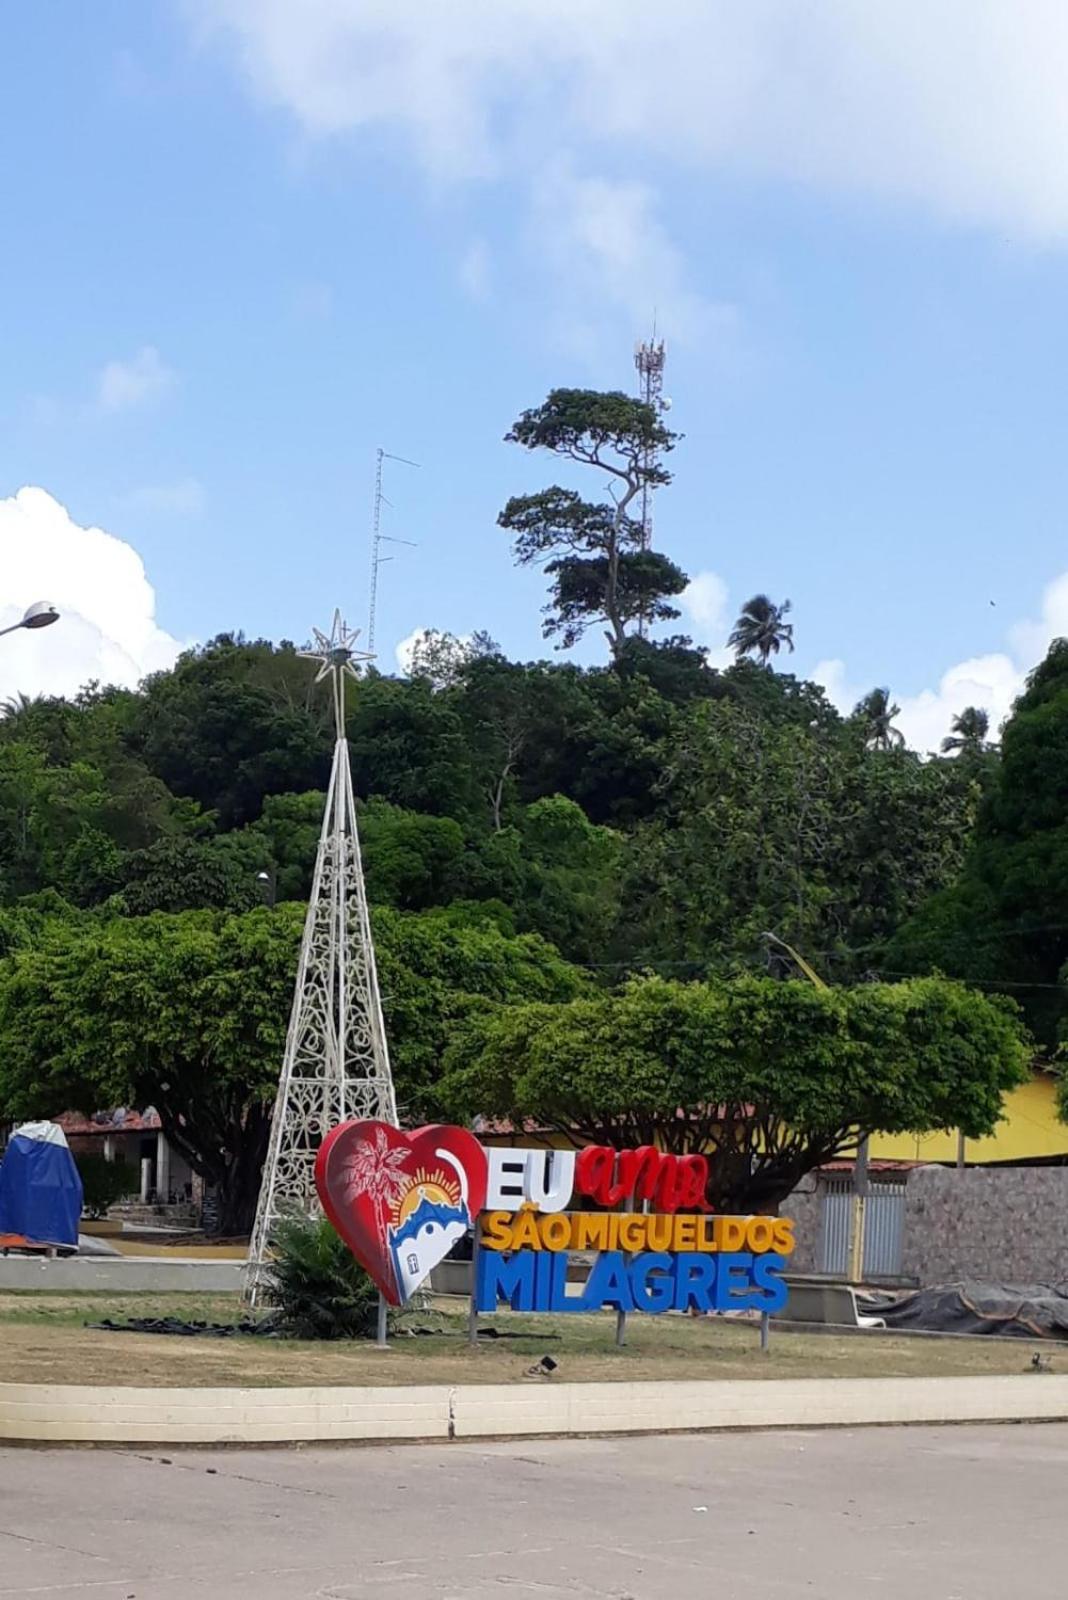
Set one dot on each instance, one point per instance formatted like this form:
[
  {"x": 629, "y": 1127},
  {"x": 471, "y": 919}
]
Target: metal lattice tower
[
  {"x": 336, "y": 1063},
  {"x": 649, "y": 360},
  {"x": 378, "y": 537}
]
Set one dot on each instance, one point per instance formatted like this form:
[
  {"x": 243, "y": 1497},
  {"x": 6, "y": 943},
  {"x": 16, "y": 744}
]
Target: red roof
[{"x": 102, "y": 1123}]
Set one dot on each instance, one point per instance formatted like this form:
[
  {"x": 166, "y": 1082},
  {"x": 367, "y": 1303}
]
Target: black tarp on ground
[{"x": 1023, "y": 1310}]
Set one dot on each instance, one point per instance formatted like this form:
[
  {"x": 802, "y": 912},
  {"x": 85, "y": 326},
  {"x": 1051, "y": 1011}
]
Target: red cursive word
[{"x": 670, "y": 1183}]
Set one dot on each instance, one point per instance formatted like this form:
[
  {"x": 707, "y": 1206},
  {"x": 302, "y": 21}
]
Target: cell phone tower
[
  {"x": 336, "y": 1061},
  {"x": 649, "y": 358}
]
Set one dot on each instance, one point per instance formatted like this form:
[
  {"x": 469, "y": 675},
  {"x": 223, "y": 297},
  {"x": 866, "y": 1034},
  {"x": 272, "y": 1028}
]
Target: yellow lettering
[
  {"x": 590, "y": 1231},
  {"x": 730, "y": 1233},
  {"x": 759, "y": 1233},
  {"x": 555, "y": 1230},
  {"x": 659, "y": 1231},
  {"x": 784, "y": 1236},
  {"x": 632, "y": 1233},
  {"x": 685, "y": 1233},
  {"x": 525, "y": 1230},
  {"x": 497, "y": 1230}
]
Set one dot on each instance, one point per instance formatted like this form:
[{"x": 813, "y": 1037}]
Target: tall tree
[
  {"x": 875, "y": 714},
  {"x": 969, "y": 736},
  {"x": 1003, "y": 922},
  {"x": 761, "y": 629},
  {"x": 771, "y": 1078},
  {"x": 593, "y": 550},
  {"x": 188, "y": 1013}
]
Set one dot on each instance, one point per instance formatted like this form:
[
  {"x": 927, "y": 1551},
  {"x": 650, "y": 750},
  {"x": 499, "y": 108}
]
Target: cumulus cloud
[
  {"x": 958, "y": 108},
  {"x": 126, "y": 385},
  {"x": 704, "y": 604},
  {"x": 107, "y": 628},
  {"x": 991, "y": 681}
]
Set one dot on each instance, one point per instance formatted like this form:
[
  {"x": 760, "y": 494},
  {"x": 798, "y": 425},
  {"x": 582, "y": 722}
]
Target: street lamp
[
  {"x": 40, "y": 615},
  {"x": 267, "y": 886}
]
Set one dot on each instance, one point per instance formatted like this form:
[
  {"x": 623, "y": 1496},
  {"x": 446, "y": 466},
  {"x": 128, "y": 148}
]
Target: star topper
[{"x": 336, "y": 654}]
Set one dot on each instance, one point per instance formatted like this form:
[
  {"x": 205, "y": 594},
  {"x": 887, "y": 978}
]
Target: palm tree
[
  {"x": 970, "y": 728},
  {"x": 876, "y": 713},
  {"x": 760, "y": 629}
]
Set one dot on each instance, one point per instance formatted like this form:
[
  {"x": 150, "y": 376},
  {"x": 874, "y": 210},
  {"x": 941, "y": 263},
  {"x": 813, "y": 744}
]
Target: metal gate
[{"x": 884, "y": 1218}]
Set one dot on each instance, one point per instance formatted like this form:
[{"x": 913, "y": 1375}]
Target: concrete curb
[
  {"x": 64, "y": 1414},
  {"x": 122, "y": 1274}
]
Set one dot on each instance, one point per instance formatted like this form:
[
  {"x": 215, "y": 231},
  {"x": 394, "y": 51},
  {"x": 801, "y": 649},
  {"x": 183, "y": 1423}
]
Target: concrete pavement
[{"x": 967, "y": 1513}]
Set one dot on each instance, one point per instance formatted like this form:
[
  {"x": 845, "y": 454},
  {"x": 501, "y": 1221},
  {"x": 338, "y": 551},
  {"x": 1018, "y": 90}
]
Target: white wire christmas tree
[{"x": 336, "y": 1063}]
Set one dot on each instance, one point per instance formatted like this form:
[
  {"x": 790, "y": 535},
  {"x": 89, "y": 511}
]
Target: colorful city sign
[{"x": 401, "y": 1201}]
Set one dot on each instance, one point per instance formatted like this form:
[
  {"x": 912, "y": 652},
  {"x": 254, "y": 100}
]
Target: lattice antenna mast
[
  {"x": 336, "y": 1062},
  {"x": 649, "y": 360},
  {"x": 378, "y": 538}
]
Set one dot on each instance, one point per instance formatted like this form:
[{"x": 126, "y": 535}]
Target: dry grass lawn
[{"x": 43, "y": 1339}]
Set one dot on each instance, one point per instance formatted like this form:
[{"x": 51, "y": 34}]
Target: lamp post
[
  {"x": 265, "y": 882},
  {"x": 39, "y": 615}
]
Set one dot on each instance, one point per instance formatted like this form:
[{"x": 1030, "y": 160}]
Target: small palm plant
[{"x": 317, "y": 1286}]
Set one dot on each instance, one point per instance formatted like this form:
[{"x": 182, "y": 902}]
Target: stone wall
[
  {"x": 804, "y": 1205},
  {"x": 1009, "y": 1224}
]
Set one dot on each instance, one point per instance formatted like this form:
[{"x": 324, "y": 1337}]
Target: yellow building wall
[{"x": 1029, "y": 1129}]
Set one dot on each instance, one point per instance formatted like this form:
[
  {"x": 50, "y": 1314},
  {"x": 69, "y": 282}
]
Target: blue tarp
[{"x": 40, "y": 1187}]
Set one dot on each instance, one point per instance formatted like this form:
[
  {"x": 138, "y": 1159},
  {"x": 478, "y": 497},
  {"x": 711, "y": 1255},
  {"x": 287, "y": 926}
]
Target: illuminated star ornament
[{"x": 336, "y": 655}]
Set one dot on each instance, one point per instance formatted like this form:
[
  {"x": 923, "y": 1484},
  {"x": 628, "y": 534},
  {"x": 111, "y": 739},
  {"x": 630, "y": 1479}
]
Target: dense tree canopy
[
  {"x": 535, "y": 834},
  {"x": 770, "y": 1078}
]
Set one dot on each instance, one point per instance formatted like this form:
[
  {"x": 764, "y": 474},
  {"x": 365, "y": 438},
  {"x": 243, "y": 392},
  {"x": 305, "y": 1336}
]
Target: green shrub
[
  {"x": 316, "y": 1285},
  {"x": 104, "y": 1182}
]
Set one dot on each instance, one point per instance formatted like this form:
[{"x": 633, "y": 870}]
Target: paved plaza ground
[{"x": 968, "y": 1513}]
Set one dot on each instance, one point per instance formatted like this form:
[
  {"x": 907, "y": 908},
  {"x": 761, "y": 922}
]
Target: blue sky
[{"x": 249, "y": 241}]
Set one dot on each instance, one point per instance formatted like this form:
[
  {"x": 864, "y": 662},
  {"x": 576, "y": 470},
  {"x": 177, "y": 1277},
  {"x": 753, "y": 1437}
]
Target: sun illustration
[{"x": 439, "y": 1187}]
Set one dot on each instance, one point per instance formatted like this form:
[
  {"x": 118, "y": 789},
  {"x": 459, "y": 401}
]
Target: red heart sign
[{"x": 400, "y": 1200}]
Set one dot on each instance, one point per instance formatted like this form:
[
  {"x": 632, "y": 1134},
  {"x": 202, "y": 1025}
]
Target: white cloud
[
  {"x": 704, "y": 603},
  {"x": 125, "y": 385},
  {"x": 956, "y": 107},
  {"x": 185, "y": 498},
  {"x": 605, "y": 245},
  {"x": 991, "y": 682},
  {"x": 107, "y": 627},
  {"x": 406, "y": 648}
]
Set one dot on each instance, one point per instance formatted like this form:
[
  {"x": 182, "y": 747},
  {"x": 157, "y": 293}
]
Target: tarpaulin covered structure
[
  {"x": 1020, "y": 1310},
  {"x": 40, "y": 1190}
]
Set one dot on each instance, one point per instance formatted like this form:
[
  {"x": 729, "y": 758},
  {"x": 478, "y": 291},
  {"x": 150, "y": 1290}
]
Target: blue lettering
[
  {"x": 695, "y": 1281},
  {"x": 505, "y": 1277},
  {"x": 652, "y": 1281},
  {"x": 607, "y": 1284},
  {"x": 769, "y": 1275},
  {"x": 734, "y": 1288}
]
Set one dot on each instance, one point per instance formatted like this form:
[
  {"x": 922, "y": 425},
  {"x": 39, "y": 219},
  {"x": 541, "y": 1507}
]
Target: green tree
[
  {"x": 233, "y": 722},
  {"x": 770, "y": 1079},
  {"x": 593, "y": 551},
  {"x": 1003, "y": 922},
  {"x": 875, "y": 716},
  {"x": 969, "y": 735},
  {"x": 773, "y": 824},
  {"x": 188, "y": 1013},
  {"x": 761, "y": 629}
]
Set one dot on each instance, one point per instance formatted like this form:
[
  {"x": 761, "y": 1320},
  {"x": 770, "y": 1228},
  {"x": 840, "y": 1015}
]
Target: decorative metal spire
[{"x": 336, "y": 1063}]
